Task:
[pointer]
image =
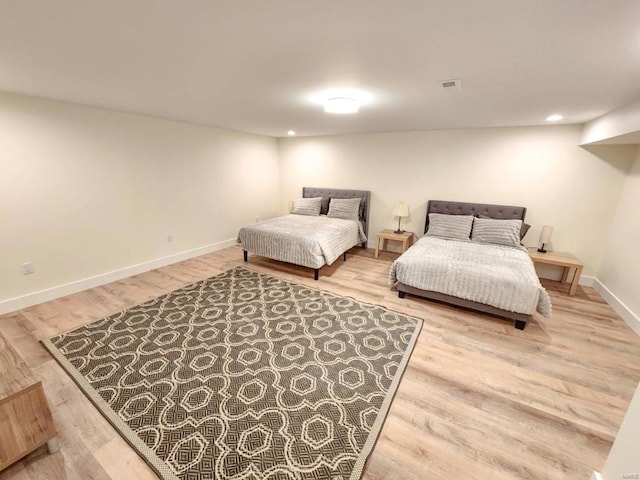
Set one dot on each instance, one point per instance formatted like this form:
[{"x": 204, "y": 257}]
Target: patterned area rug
[{"x": 244, "y": 376}]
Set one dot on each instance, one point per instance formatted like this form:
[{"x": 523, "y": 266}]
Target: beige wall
[
  {"x": 85, "y": 191},
  {"x": 621, "y": 264},
  {"x": 542, "y": 168},
  {"x": 623, "y": 458}
]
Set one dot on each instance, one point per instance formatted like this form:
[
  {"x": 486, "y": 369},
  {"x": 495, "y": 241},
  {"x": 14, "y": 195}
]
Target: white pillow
[
  {"x": 344, "y": 208},
  {"x": 453, "y": 227},
  {"x": 500, "y": 232},
  {"x": 307, "y": 206}
]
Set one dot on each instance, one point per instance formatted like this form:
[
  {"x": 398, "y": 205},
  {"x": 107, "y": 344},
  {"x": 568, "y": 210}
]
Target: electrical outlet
[
  {"x": 169, "y": 238},
  {"x": 27, "y": 268}
]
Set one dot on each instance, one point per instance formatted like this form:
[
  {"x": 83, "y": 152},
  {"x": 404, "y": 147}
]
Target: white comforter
[
  {"x": 301, "y": 239},
  {"x": 500, "y": 276}
]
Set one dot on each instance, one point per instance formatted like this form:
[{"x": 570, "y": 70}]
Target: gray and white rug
[{"x": 244, "y": 376}]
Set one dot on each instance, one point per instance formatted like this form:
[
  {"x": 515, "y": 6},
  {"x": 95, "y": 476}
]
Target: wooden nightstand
[
  {"x": 565, "y": 260},
  {"x": 25, "y": 419},
  {"x": 405, "y": 238}
]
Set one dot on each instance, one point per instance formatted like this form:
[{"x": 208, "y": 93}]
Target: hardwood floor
[{"x": 478, "y": 400}]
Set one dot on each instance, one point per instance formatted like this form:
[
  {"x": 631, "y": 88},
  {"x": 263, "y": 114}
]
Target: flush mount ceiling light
[
  {"x": 291, "y": 133},
  {"x": 341, "y": 105},
  {"x": 554, "y": 118},
  {"x": 341, "y": 100}
]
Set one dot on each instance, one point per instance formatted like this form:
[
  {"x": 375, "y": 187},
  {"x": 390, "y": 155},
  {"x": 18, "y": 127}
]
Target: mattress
[
  {"x": 310, "y": 241},
  {"x": 500, "y": 276}
]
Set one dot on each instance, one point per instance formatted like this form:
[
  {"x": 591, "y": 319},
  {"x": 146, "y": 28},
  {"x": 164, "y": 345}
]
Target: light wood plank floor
[{"x": 479, "y": 399}]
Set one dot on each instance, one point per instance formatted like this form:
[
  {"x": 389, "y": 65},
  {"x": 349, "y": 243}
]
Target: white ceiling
[{"x": 254, "y": 65}]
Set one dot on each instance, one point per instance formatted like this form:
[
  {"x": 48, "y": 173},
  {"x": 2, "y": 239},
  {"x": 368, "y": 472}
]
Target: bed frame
[
  {"x": 504, "y": 212},
  {"x": 327, "y": 194}
]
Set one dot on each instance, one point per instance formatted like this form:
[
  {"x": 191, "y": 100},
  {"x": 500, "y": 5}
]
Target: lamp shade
[
  {"x": 545, "y": 234},
  {"x": 401, "y": 210}
]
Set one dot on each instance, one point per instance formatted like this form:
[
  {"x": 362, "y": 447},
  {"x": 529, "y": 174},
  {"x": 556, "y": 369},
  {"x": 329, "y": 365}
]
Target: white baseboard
[
  {"x": 596, "y": 476},
  {"x": 24, "y": 301},
  {"x": 620, "y": 308}
]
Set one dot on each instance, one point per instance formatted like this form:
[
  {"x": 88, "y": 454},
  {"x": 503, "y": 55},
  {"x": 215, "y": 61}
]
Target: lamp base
[
  {"x": 541, "y": 249},
  {"x": 398, "y": 231}
]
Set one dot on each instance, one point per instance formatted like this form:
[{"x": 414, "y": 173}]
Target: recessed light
[
  {"x": 341, "y": 105},
  {"x": 554, "y": 118},
  {"x": 291, "y": 133}
]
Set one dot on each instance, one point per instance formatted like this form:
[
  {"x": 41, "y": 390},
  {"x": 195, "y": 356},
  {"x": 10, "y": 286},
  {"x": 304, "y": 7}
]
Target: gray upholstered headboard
[
  {"x": 329, "y": 193},
  {"x": 503, "y": 212}
]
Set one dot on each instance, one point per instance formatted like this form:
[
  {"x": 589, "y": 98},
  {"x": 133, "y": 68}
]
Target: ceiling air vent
[{"x": 454, "y": 84}]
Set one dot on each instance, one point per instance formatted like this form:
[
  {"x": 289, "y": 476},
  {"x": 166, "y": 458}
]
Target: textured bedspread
[
  {"x": 500, "y": 276},
  {"x": 301, "y": 239}
]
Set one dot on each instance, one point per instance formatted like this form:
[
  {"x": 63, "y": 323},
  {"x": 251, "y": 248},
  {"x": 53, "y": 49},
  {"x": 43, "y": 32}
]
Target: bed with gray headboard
[
  {"x": 474, "y": 273},
  {"x": 310, "y": 240}
]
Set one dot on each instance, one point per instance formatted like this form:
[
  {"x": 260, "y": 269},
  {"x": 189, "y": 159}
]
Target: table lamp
[
  {"x": 545, "y": 237},
  {"x": 400, "y": 210}
]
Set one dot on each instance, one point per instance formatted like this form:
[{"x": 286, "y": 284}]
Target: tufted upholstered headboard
[
  {"x": 503, "y": 212},
  {"x": 329, "y": 193}
]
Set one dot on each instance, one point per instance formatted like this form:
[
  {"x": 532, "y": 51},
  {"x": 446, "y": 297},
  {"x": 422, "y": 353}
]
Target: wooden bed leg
[
  {"x": 520, "y": 324},
  {"x": 401, "y": 294},
  {"x": 316, "y": 273},
  {"x": 344, "y": 257},
  {"x": 246, "y": 255}
]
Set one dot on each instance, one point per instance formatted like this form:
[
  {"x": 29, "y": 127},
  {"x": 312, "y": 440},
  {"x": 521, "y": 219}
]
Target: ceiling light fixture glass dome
[
  {"x": 554, "y": 118},
  {"x": 341, "y": 105}
]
